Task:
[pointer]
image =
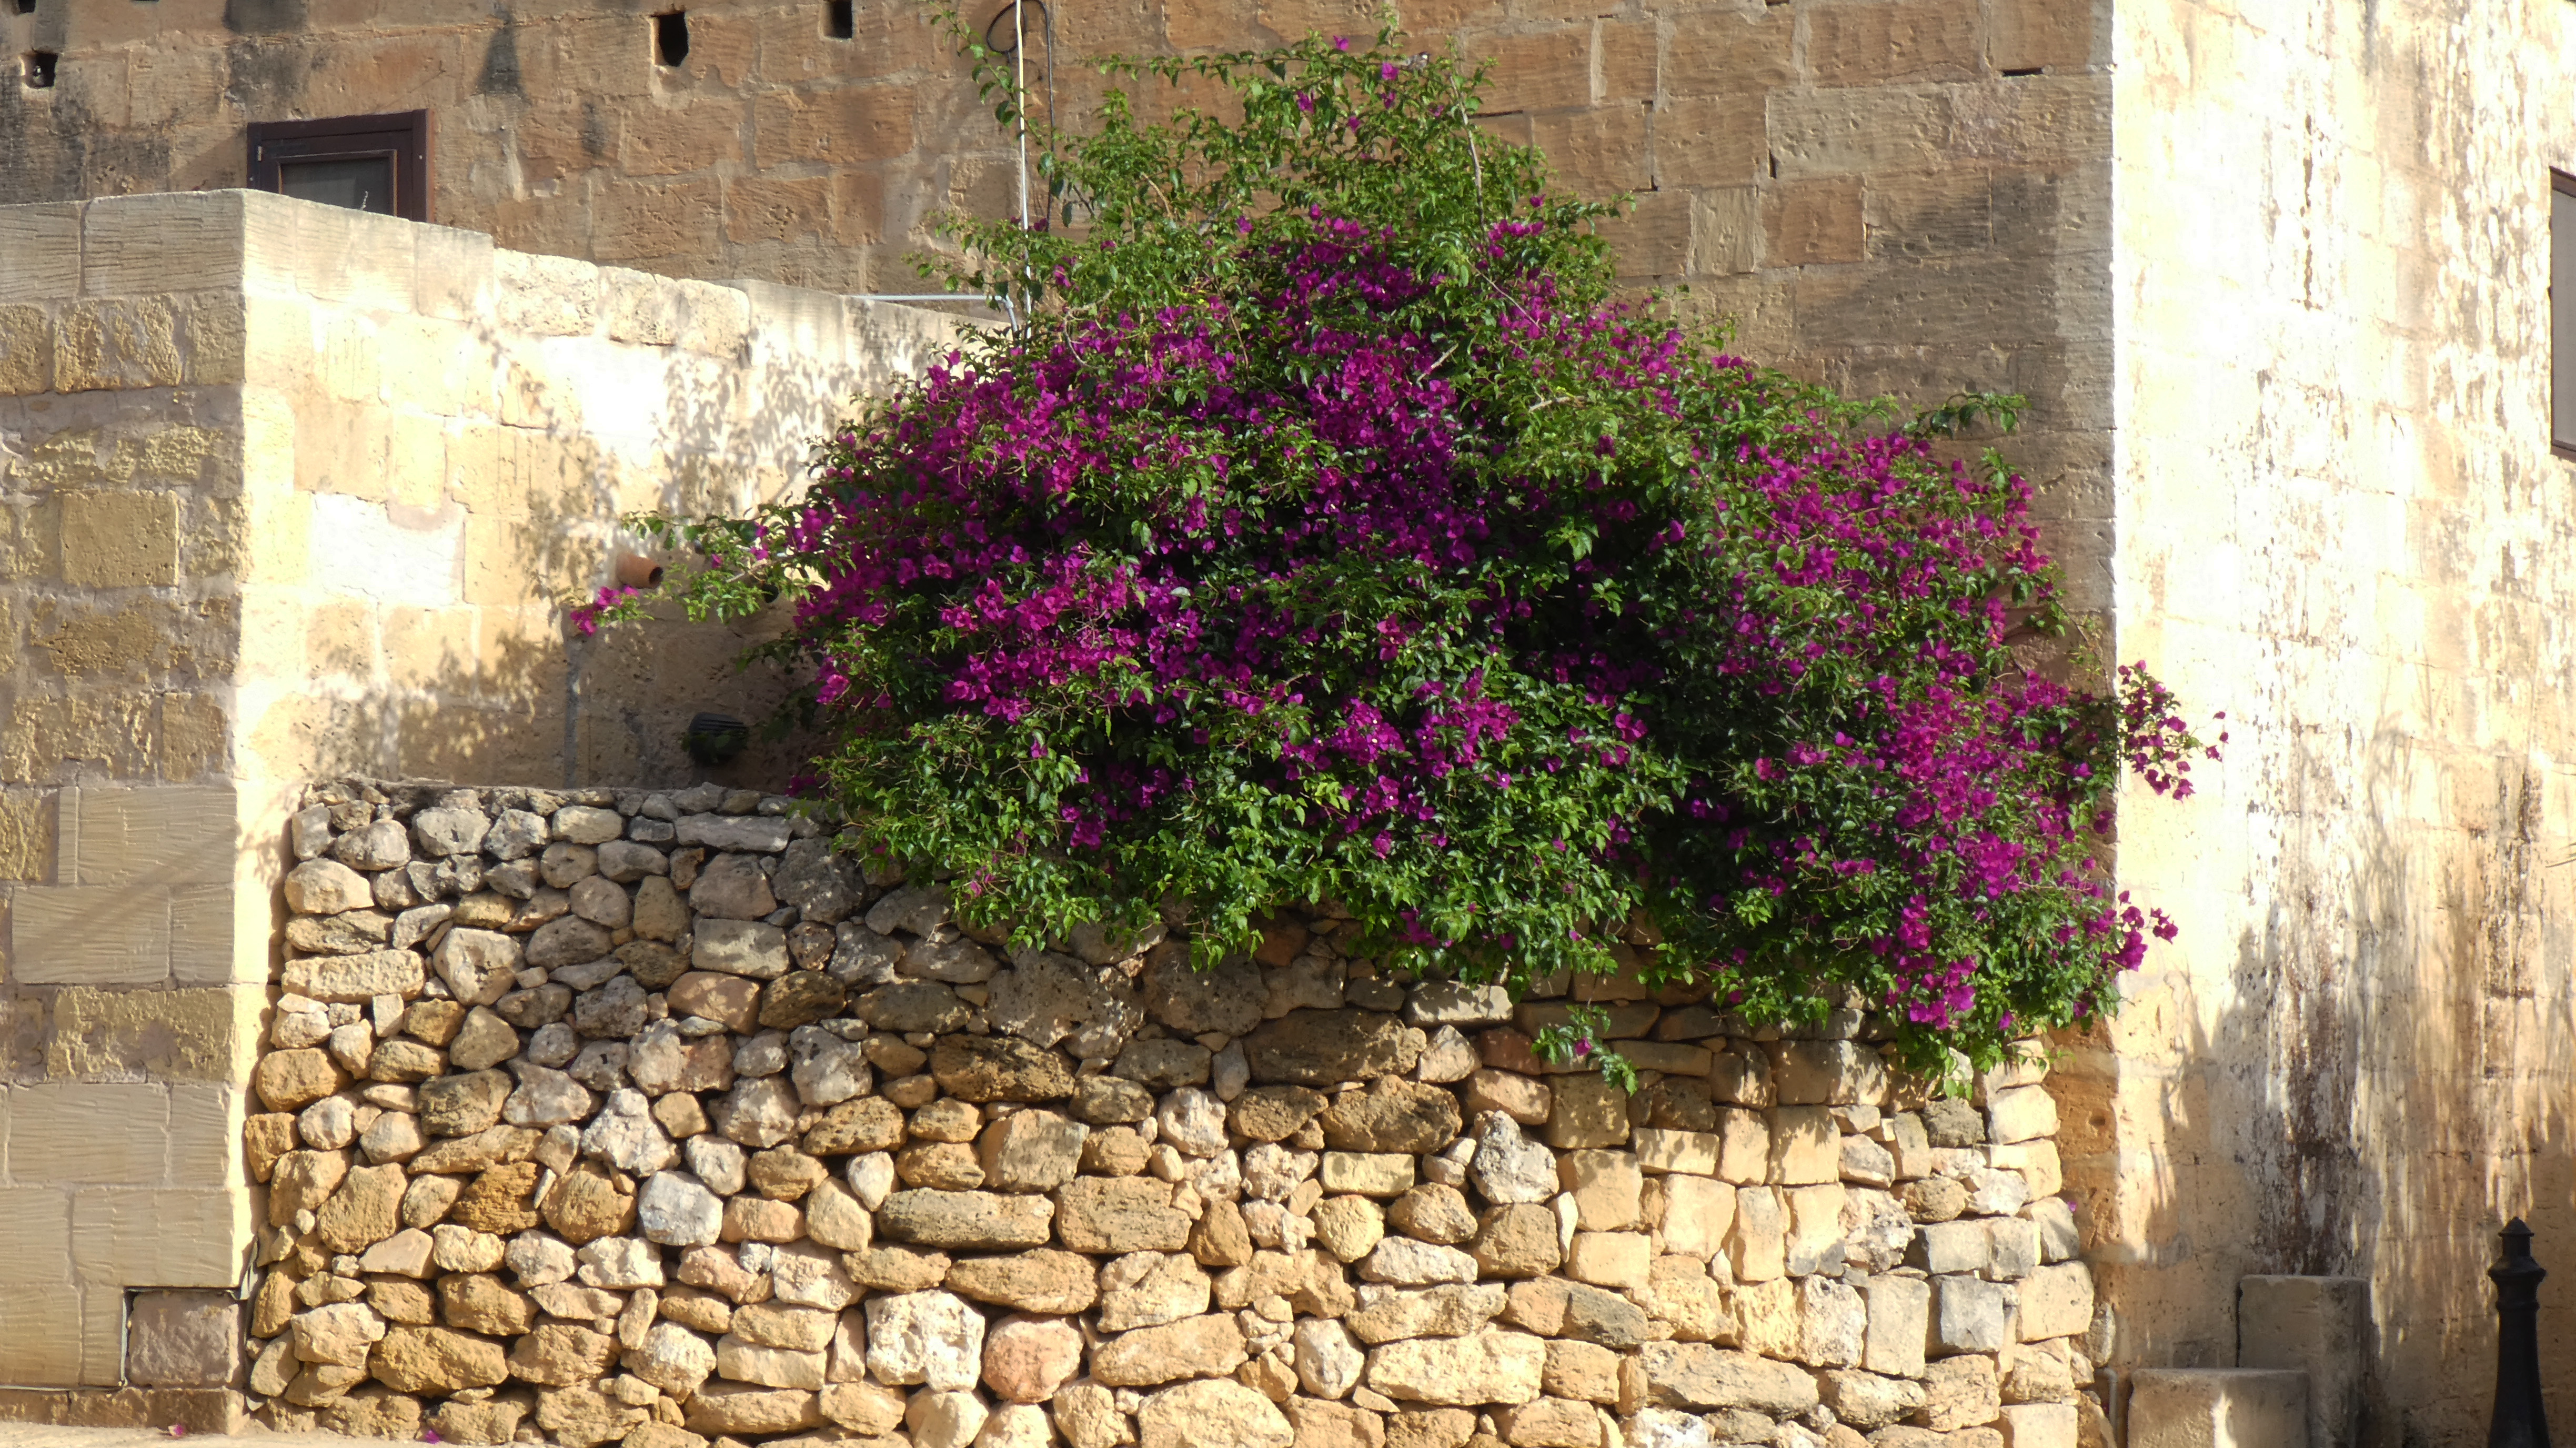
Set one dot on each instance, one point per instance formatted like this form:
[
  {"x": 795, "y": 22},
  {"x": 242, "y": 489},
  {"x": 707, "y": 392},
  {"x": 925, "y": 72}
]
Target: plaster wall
[
  {"x": 2340, "y": 521},
  {"x": 283, "y": 488}
]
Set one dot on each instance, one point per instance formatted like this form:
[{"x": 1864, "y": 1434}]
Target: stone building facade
[{"x": 2275, "y": 277}]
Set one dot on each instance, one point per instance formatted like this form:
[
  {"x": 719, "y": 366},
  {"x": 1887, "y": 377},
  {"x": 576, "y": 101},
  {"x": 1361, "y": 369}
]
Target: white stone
[
  {"x": 871, "y": 1178},
  {"x": 1193, "y": 1120},
  {"x": 1665, "y": 1428},
  {"x": 462, "y": 1249},
  {"x": 673, "y": 1359},
  {"x": 624, "y": 1135},
  {"x": 1492, "y": 1366},
  {"x": 931, "y": 1338},
  {"x": 677, "y": 1210},
  {"x": 328, "y": 1124},
  {"x": 1147, "y": 1289},
  {"x": 718, "y": 1162},
  {"x": 1272, "y": 1171},
  {"x": 1406, "y": 1262},
  {"x": 758, "y": 1113},
  {"x": 1831, "y": 1323},
  {"x": 810, "y": 1276},
  {"x": 621, "y": 1263},
  {"x": 538, "y": 1258},
  {"x": 1328, "y": 1362},
  {"x": 825, "y": 1069},
  {"x": 479, "y": 966},
  {"x": 546, "y": 1097},
  {"x": 1015, "y": 1425},
  {"x": 1509, "y": 1167},
  {"x": 944, "y": 1419}
]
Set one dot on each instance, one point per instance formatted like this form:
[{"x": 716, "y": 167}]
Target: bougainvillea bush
[{"x": 1323, "y": 529}]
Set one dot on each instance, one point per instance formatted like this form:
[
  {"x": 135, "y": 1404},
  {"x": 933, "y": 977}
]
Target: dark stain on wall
[{"x": 263, "y": 17}]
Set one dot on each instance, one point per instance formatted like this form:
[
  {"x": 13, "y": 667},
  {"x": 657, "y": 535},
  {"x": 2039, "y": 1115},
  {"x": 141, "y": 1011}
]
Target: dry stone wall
[{"x": 607, "y": 1115}]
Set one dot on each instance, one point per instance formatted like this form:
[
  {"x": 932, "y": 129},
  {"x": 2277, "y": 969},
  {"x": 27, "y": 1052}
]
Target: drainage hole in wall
[
  {"x": 2024, "y": 71},
  {"x": 838, "y": 22},
  {"x": 40, "y": 69},
  {"x": 671, "y": 37}
]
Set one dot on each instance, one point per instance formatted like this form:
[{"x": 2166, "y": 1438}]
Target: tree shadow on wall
[
  {"x": 2387, "y": 1084},
  {"x": 533, "y": 700}
]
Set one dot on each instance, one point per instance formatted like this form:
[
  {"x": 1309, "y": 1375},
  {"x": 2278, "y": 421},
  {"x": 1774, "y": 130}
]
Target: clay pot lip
[{"x": 637, "y": 570}]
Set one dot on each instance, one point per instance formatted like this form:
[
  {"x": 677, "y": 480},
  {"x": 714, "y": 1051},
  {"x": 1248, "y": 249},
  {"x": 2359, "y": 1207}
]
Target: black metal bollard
[{"x": 2518, "y": 1422}]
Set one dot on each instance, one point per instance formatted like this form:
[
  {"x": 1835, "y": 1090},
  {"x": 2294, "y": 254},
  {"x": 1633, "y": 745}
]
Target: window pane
[
  {"x": 365, "y": 183},
  {"x": 2562, "y": 317}
]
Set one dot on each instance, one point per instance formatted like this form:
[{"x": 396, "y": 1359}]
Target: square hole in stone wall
[
  {"x": 839, "y": 23},
  {"x": 671, "y": 37},
  {"x": 40, "y": 69}
]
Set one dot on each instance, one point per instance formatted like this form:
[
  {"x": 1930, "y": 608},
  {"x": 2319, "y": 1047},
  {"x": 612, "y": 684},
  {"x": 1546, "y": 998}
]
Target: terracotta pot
[{"x": 634, "y": 570}]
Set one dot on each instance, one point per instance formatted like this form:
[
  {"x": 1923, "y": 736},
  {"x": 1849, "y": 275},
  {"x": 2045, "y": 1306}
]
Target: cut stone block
[
  {"x": 2320, "y": 1326},
  {"x": 2218, "y": 1408}
]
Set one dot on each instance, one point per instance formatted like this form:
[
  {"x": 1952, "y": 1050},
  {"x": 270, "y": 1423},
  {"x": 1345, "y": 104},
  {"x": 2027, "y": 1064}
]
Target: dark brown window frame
[
  {"x": 2562, "y": 317},
  {"x": 406, "y": 136}
]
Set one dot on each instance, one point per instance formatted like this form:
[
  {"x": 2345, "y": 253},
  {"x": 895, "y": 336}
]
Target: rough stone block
[
  {"x": 1605, "y": 1185},
  {"x": 1820, "y": 1073},
  {"x": 1618, "y": 1260},
  {"x": 1816, "y": 1227},
  {"x": 26, "y": 348},
  {"x": 2039, "y": 1425},
  {"x": 2319, "y": 1326},
  {"x": 117, "y": 343},
  {"x": 1698, "y": 1213},
  {"x": 1970, "y": 1315},
  {"x": 1743, "y": 1146},
  {"x": 2023, "y": 1113},
  {"x": 1369, "y": 1174},
  {"x": 1900, "y": 1318},
  {"x": 1758, "y": 1242},
  {"x": 184, "y": 1340},
  {"x": 1660, "y": 1151},
  {"x": 27, "y": 837},
  {"x": 68, "y": 935},
  {"x": 2057, "y": 1302},
  {"x": 548, "y": 295},
  {"x": 120, "y": 540},
  {"x": 1952, "y": 1246},
  {"x": 182, "y": 1035},
  {"x": 1806, "y": 1149},
  {"x": 2217, "y": 1408},
  {"x": 1589, "y": 1112},
  {"x": 2058, "y": 1237}
]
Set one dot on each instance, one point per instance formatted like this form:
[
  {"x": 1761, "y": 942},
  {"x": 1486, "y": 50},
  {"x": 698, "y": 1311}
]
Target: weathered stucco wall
[
  {"x": 2340, "y": 521},
  {"x": 616, "y": 1115},
  {"x": 281, "y": 488}
]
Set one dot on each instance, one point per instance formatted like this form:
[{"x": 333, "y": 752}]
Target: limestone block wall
[
  {"x": 641, "y": 1116},
  {"x": 2341, "y": 521},
  {"x": 284, "y": 485},
  {"x": 1905, "y": 196}
]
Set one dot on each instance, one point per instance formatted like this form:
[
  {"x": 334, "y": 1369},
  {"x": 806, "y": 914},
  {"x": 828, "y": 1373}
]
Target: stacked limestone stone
[{"x": 613, "y": 1115}]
